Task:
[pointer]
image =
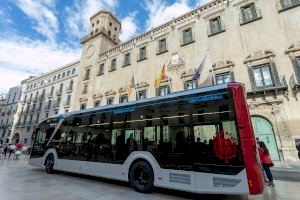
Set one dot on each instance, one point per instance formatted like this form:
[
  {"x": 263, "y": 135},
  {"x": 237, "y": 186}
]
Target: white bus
[{"x": 198, "y": 141}]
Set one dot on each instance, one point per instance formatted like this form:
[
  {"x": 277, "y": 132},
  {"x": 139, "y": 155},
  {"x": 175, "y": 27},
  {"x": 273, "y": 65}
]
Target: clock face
[{"x": 90, "y": 50}]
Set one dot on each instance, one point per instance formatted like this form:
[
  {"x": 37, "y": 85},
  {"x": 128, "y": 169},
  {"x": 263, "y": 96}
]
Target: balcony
[
  {"x": 3, "y": 114},
  {"x": 283, "y": 5},
  {"x": 161, "y": 50},
  {"x": 50, "y": 94},
  {"x": 35, "y": 99},
  {"x": 187, "y": 40},
  {"x": 47, "y": 107},
  {"x": 295, "y": 84},
  {"x": 86, "y": 77},
  {"x": 27, "y": 123},
  {"x": 29, "y": 100},
  {"x": 8, "y": 112},
  {"x": 256, "y": 17},
  {"x": 38, "y": 109},
  {"x": 67, "y": 104},
  {"x": 212, "y": 32},
  {"x": 56, "y": 105},
  {"x": 69, "y": 89},
  {"x": 258, "y": 88},
  {"x": 41, "y": 97},
  {"x": 59, "y": 92},
  {"x": 31, "y": 110}
]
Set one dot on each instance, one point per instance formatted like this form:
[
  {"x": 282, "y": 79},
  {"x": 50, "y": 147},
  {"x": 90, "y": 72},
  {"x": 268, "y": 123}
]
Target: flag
[
  {"x": 160, "y": 77},
  {"x": 130, "y": 85},
  {"x": 200, "y": 69}
]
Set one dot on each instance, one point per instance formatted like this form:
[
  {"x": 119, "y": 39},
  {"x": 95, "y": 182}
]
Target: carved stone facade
[{"x": 271, "y": 38}]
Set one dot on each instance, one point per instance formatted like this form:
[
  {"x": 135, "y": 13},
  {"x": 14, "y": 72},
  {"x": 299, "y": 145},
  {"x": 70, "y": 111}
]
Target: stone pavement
[{"x": 18, "y": 181}]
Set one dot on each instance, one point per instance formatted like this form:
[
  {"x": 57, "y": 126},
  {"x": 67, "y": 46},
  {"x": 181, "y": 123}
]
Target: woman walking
[{"x": 266, "y": 161}]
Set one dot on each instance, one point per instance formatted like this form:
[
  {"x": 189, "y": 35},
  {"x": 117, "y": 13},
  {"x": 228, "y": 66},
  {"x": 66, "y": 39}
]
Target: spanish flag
[
  {"x": 130, "y": 85},
  {"x": 160, "y": 77}
]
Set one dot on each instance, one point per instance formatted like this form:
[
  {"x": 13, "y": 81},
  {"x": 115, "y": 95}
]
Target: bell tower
[{"x": 103, "y": 35}]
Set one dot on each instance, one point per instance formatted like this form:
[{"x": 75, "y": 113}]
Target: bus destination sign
[
  {"x": 124, "y": 110},
  {"x": 205, "y": 98}
]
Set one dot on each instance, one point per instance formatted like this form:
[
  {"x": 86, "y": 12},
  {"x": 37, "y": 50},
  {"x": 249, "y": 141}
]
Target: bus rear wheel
[
  {"x": 141, "y": 177},
  {"x": 49, "y": 164}
]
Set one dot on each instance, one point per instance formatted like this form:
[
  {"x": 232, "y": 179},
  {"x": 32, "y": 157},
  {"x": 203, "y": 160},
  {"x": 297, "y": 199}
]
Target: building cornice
[{"x": 195, "y": 13}]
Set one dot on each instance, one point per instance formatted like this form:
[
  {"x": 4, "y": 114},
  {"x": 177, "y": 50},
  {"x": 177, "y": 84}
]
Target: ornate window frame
[{"x": 222, "y": 67}]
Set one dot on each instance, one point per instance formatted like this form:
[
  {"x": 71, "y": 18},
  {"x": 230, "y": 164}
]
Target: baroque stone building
[
  {"x": 8, "y": 110},
  {"x": 49, "y": 94},
  {"x": 256, "y": 42}
]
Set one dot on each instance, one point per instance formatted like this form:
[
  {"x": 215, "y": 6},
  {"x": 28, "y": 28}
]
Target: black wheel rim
[
  {"x": 50, "y": 162},
  {"x": 141, "y": 176}
]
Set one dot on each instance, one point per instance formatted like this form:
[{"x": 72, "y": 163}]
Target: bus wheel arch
[
  {"x": 49, "y": 163},
  {"x": 141, "y": 175}
]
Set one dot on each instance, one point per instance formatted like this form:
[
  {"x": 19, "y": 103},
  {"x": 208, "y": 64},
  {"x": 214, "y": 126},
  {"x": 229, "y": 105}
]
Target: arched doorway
[
  {"x": 263, "y": 130},
  {"x": 15, "y": 138}
]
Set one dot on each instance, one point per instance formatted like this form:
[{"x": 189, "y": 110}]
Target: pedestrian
[
  {"x": 11, "y": 149},
  {"x": 5, "y": 149},
  {"x": 266, "y": 161},
  {"x": 298, "y": 148},
  {"x": 1, "y": 150}
]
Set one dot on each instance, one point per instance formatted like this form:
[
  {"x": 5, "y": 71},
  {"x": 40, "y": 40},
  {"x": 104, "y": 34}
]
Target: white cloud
[
  {"x": 21, "y": 57},
  {"x": 43, "y": 18},
  {"x": 160, "y": 11},
  {"x": 78, "y": 15},
  {"x": 129, "y": 27}
]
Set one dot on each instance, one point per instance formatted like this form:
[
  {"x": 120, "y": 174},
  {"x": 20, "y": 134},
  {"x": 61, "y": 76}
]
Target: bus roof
[{"x": 147, "y": 100}]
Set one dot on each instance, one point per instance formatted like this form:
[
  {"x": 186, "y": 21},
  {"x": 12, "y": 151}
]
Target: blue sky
[{"x": 39, "y": 35}]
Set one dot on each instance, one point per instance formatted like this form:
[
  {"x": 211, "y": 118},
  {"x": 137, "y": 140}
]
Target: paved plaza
[{"x": 19, "y": 181}]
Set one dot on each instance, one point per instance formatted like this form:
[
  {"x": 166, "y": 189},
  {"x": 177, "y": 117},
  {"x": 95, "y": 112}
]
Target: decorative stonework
[
  {"x": 259, "y": 58},
  {"x": 293, "y": 50},
  {"x": 142, "y": 86},
  {"x": 123, "y": 90},
  {"x": 110, "y": 93},
  {"x": 227, "y": 65},
  {"x": 175, "y": 62},
  {"x": 83, "y": 100},
  {"x": 90, "y": 51},
  {"x": 188, "y": 75},
  {"x": 97, "y": 96}
]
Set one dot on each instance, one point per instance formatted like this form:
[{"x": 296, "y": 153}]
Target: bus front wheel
[
  {"x": 49, "y": 164},
  {"x": 141, "y": 177}
]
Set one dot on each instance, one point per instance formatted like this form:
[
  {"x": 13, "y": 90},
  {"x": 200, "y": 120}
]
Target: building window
[
  {"x": 109, "y": 33},
  {"x": 110, "y": 101},
  {"x": 123, "y": 98},
  {"x": 68, "y": 73},
  {"x": 142, "y": 54},
  {"x": 189, "y": 85},
  {"x": 73, "y": 71},
  {"x": 249, "y": 13},
  {"x": 262, "y": 76},
  {"x": 289, "y": 3},
  {"x": 222, "y": 78},
  {"x": 142, "y": 94},
  {"x": 163, "y": 90},
  {"x": 97, "y": 103},
  {"x": 113, "y": 64},
  {"x": 63, "y": 75},
  {"x": 46, "y": 115},
  {"x": 97, "y": 21},
  {"x": 71, "y": 85},
  {"x": 87, "y": 74},
  {"x": 126, "y": 59},
  {"x": 85, "y": 89},
  {"x": 82, "y": 106},
  {"x": 215, "y": 26},
  {"x": 58, "y": 77},
  {"x": 162, "y": 46},
  {"x": 101, "y": 69},
  {"x": 54, "y": 78},
  {"x": 66, "y": 110},
  {"x": 187, "y": 36}
]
